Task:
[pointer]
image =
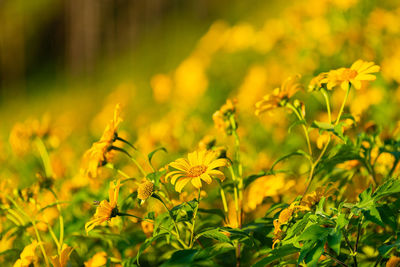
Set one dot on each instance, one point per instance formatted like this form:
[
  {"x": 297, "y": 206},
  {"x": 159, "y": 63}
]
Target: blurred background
[{"x": 89, "y": 47}]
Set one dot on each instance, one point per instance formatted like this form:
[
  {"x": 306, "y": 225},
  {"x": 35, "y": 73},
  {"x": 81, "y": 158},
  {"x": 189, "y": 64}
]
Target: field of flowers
[{"x": 270, "y": 144}]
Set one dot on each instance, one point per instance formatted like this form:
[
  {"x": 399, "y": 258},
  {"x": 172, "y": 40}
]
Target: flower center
[
  {"x": 197, "y": 170},
  {"x": 349, "y": 74}
]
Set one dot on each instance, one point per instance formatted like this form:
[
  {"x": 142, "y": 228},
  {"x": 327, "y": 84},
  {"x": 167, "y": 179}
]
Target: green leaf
[
  {"x": 314, "y": 232},
  {"x": 146, "y": 244},
  {"x": 372, "y": 214},
  {"x": 296, "y": 153},
  {"x": 322, "y": 125},
  {"x": 215, "y": 250},
  {"x": 213, "y": 211},
  {"x": 297, "y": 122},
  {"x": 276, "y": 254},
  {"x": 334, "y": 240},
  {"x": 214, "y": 234},
  {"x": 181, "y": 258},
  {"x": 314, "y": 254},
  {"x": 151, "y": 154}
]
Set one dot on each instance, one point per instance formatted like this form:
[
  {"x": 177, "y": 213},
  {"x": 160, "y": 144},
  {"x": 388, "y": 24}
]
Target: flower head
[
  {"x": 100, "y": 153},
  {"x": 222, "y": 117},
  {"x": 358, "y": 72},
  {"x": 201, "y": 165},
  {"x": 145, "y": 190},
  {"x": 106, "y": 210},
  {"x": 279, "y": 96}
]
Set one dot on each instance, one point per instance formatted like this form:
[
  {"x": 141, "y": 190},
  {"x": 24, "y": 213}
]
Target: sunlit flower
[
  {"x": 358, "y": 72},
  {"x": 201, "y": 165},
  {"x": 279, "y": 96},
  {"x": 62, "y": 259},
  {"x": 100, "y": 153},
  {"x": 99, "y": 259},
  {"x": 28, "y": 256},
  {"x": 106, "y": 210},
  {"x": 145, "y": 190}
]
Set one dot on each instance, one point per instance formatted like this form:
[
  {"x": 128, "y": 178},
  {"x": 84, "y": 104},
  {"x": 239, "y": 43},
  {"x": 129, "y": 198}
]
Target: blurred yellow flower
[
  {"x": 162, "y": 86},
  {"x": 201, "y": 165},
  {"x": 62, "y": 259},
  {"x": 99, "y": 259},
  {"x": 279, "y": 96},
  {"x": 147, "y": 228},
  {"x": 393, "y": 262},
  {"x": 106, "y": 210},
  {"x": 222, "y": 116},
  {"x": 100, "y": 153},
  {"x": 28, "y": 256}
]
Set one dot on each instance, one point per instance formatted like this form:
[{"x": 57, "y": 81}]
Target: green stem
[
  {"x": 132, "y": 158},
  {"x": 194, "y": 220},
  {"x": 152, "y": 221},
  {"x": 169, "y": 211},
  {"x": 45, "y": 157},
  {"x": 300, "y": 117},
  {"x": 342, "y": 106},
  {"x": 328, "y": 106}
]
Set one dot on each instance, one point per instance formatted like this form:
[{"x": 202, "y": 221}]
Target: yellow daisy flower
[
  {"x": 106, "y": 210},
  {"x": 358, "y": 72},
  {"x": 201, "y": 165},
  {"x": 279, "y": 96}
]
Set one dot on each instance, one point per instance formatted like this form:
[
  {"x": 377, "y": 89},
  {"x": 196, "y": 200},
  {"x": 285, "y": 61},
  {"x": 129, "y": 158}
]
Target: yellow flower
[
  {"x": 106, "y": 210},
  {"x": 28, "y": 256},
  {"x": 99, "y": 259},
  {"x": 222, "y": 116},
  {"x": 145, "y": 190},
  {"x": 100, "y": 153},
  {"x": 147, "y": 228},
  {"x": 358, "y": 72},
  {"x": 62, "y": 259},
  {"x": 393, "y": 262},
  {"x": 313, "y": 198},
  {"x": 279, "y": 96},
  {"x": 201, "y": 165}
]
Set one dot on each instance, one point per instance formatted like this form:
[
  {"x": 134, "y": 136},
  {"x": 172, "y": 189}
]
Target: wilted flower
[
  {"x": 106, "y": 210},
  {"x": 100, "y": 152},
  {"x": 313, "y": 198},
  {"x": 201, "y": 165},
  {"x": 279, "y": 96},
  {"x": 62, "y": 259}
]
